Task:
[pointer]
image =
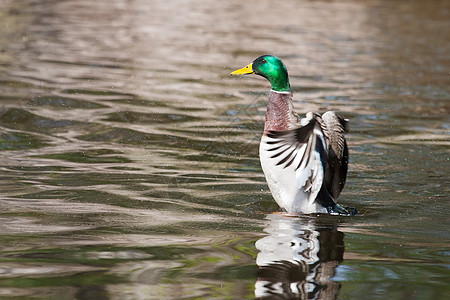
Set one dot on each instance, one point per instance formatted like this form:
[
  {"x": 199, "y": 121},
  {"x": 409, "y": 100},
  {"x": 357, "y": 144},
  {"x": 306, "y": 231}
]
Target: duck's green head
[{"x": 271, "y": 68}]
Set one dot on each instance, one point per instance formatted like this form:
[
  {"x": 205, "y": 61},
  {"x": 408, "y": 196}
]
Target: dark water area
[{"x": 129, "y": 161}]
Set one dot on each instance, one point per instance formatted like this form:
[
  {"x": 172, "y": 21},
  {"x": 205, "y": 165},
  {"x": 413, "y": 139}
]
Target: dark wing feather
[
  {"x": 306, "y": 147},
  {"x": 291, "y": 140},
  {"x": 334, "y": 128}
]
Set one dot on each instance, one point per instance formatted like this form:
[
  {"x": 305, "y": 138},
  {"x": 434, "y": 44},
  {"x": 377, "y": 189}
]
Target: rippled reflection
[{"x": 297, "y": 259}]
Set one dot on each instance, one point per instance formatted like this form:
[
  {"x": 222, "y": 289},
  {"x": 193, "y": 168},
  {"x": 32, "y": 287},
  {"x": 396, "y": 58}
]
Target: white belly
[{"x": 284, "y": 185}]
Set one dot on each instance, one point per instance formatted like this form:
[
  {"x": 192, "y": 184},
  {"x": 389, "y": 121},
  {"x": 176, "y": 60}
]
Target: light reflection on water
[
  {"x": 130, "y": 158},
  {"x": 298, "y": 259}
]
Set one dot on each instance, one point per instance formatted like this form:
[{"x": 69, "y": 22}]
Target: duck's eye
[{"x": 263, "y": 61}]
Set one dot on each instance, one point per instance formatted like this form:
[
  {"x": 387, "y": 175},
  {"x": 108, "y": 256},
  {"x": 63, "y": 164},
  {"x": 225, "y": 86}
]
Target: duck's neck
[{"x": 280, "y": 114}]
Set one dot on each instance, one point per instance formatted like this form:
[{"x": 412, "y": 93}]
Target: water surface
[{"x": 130, "y": 170}]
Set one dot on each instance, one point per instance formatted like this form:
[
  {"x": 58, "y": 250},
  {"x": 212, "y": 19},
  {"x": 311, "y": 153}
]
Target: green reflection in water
[
  {"x": 98, "y": 156},
  {"x": 20, "y": 141},
  {"x": 58, "y": 102}
]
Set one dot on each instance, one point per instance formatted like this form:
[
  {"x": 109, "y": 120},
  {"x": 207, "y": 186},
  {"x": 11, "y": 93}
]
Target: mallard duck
[{"x": 304, "y": 160}]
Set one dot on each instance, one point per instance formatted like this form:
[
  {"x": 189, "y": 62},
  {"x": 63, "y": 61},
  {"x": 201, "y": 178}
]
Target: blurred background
[{"x": 129, "y": 163}]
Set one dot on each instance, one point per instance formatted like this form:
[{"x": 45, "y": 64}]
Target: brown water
[{"x": 129, "y": 166}]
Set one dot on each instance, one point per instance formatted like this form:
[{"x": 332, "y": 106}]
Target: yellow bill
[{"x": 245, "y": 70}]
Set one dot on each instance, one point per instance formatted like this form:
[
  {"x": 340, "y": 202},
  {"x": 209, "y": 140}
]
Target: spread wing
[
  {"x": 334, "y": 128},
  {"x": 302, "y": 149}
]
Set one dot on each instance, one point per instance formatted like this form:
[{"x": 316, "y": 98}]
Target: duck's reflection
[{"x": 297, "y": 259}]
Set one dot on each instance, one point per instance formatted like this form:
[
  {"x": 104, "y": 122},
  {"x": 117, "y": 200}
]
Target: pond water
[{"x": 129, "y": 161}]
